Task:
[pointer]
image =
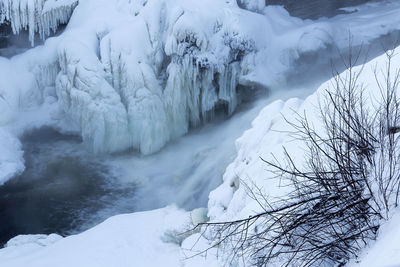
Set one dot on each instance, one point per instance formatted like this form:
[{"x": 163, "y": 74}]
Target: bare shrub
[{"x": 348, "y": 184}]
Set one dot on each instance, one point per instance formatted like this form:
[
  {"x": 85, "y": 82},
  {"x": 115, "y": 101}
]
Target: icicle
[
  {"x": 191, "y": 91},
  {"x": 38, "y": 16},
  {"x": 228, "y": 81}
]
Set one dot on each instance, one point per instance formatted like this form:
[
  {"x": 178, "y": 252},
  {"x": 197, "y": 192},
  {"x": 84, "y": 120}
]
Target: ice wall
[{"x": 146, "y": 82}]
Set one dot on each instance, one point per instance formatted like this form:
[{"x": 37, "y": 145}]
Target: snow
[
  {"x": 266, "y": 136},
  {"x": 140, "y": 239},
  {"x": 40, "y": 240},
  {"x": 384, "y": 251}
]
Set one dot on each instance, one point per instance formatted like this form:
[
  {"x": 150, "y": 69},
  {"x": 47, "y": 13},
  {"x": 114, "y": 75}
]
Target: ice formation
[
  {"x": 145, "y": 87},
  {"x": 38, "y": 16}
]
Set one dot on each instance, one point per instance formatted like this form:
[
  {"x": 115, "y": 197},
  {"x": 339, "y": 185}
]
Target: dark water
[
  {"x": 11, "y": 44},
  {"x": 65, "y": 189},
  {"x": 314, "y": 9},
  {"x": 62, "y": 190}
]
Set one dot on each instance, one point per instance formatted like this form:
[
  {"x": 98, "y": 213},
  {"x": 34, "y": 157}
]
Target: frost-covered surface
[{"x": 38, "y": 16}]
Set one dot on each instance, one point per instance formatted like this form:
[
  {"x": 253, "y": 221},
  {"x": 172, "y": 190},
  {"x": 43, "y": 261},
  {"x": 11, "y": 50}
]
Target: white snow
[
  {"x": 140, "y": 239},
  {"x": 386, "y": 250}
]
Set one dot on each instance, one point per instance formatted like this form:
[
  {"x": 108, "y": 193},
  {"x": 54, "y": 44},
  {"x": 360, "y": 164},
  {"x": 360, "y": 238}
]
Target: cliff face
[{"x": 314, "y": 9}]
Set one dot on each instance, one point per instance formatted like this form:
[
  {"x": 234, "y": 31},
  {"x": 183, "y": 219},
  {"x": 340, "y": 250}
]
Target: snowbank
[
  {"x": 270, "y": 132},
  {"x": 385, "y": 251},
  {"x": 140, "y": 239}
]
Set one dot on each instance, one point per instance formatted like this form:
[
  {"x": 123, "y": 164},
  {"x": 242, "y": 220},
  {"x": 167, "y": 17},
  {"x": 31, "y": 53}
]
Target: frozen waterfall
[{"x": 142, "y": 85}]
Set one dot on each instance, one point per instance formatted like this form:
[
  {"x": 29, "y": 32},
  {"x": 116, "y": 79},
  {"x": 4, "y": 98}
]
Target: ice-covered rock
[
  {"x": 11, "y": 156},
  {"x": 90, "y": 101},
  {"x": 252, "y": 5},
  {"x": 41, "y": 240}
]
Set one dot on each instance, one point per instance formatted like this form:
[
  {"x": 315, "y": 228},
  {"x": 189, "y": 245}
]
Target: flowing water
[
  {"x": 66, "y": 189},
  {"x": 61, "y": 186}
]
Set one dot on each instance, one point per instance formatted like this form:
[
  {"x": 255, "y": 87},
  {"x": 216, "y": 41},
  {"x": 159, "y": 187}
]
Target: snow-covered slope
[
  {"x": 141, "y": 239},
  {"x": 268, "y": 138},
  {"x": 385, "y": 251}
]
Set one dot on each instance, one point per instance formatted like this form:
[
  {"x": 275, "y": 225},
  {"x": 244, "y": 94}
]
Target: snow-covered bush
[{"x": 348, "y": 182}]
